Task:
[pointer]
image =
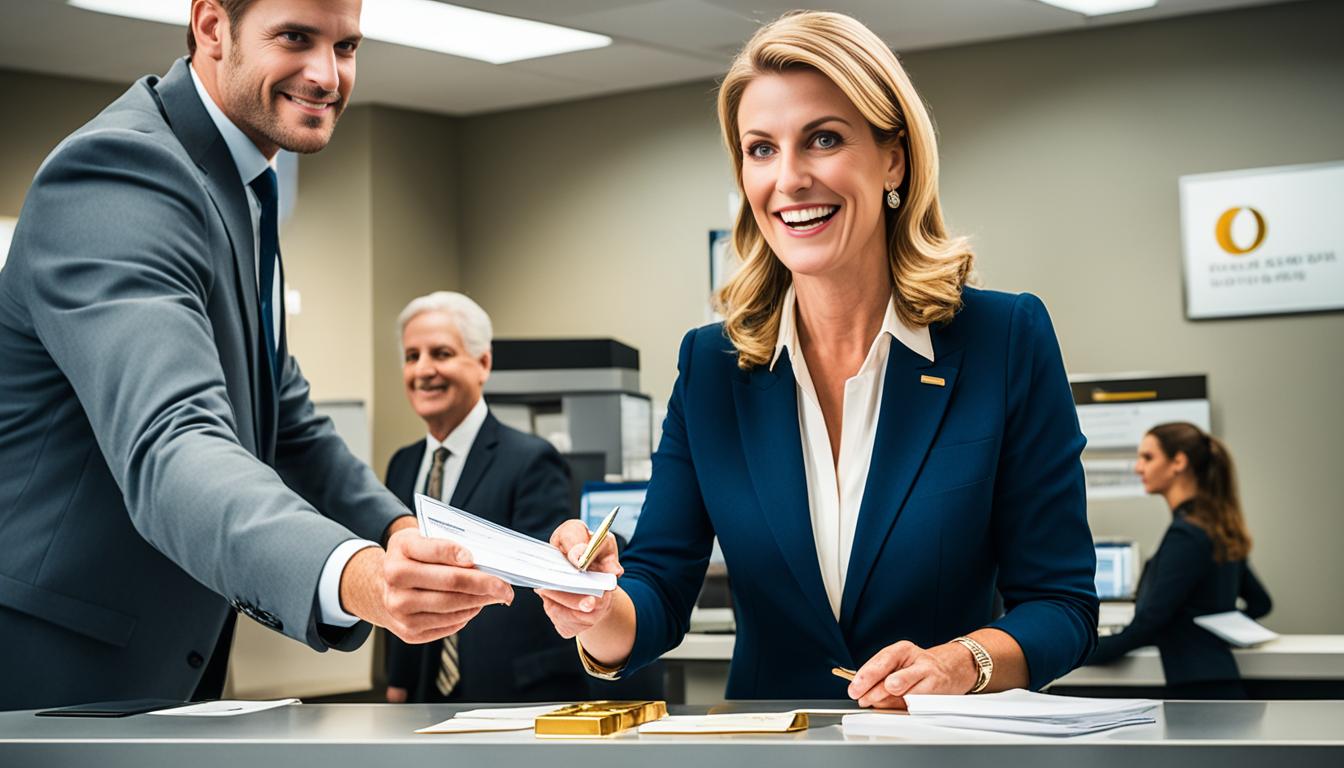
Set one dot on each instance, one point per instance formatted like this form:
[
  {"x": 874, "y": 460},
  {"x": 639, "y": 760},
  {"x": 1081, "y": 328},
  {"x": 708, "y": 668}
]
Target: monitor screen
[
  {"x": 1117, "y": 569},
  {"x": 599, "y": 498}
]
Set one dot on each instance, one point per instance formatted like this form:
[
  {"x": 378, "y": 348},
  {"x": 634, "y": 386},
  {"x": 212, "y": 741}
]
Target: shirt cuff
[{"x": 329, "y": 585}]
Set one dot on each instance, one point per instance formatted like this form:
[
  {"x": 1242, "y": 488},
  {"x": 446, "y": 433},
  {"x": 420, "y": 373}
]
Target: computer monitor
[
  {"x": 1117, "y": 569},
  {"x": 598, "y": 499}
]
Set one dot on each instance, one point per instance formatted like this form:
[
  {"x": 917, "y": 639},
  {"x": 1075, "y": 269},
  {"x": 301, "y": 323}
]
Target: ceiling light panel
[
  {"x": 425, "y": 24},
  {"x": 1100, "y": 7}
]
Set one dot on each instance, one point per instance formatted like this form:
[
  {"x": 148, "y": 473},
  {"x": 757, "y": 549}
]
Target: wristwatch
[{"x": 983, "y": 662}]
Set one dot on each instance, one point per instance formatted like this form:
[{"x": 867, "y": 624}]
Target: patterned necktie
[
  {"x": 268, "y": 194},
  {"x": 449, "y": 670}
]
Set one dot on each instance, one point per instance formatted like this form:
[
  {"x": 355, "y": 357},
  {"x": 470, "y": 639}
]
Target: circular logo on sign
[{"x": 1223, "y": 231}]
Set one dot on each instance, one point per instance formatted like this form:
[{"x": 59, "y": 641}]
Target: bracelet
[
  {"x": 595, "y": 668},
  {"x": 983, "y": 661}
]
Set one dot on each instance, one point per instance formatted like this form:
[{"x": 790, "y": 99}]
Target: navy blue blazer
[
  {"x": 974, "y": 484},
  {"x": 1180, "y": 582}
]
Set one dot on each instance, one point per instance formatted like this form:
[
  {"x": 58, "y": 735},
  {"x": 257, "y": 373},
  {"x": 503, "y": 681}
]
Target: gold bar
[
  {"x": 934, "y": 380},
  {"x": 599, "y": 718}
]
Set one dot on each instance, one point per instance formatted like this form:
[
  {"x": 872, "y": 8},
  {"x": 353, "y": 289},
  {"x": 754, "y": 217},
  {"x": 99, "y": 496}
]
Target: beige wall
[
  {"x": 415, "y": 225},
  {"x": 1061, "y": 156},
  {"x": 42, "y": 111},
  {"x": 591, "y": 219}
]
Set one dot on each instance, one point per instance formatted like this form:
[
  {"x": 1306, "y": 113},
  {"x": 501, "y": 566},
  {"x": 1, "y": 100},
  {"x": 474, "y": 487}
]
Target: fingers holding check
[
  {"x": 431, "y": 589},
  {"x": 905, "y": 668},
  {"x": 573, "y": 614}
]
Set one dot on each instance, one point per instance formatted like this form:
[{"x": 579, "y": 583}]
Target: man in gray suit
[{"x": 161, "y": 465}]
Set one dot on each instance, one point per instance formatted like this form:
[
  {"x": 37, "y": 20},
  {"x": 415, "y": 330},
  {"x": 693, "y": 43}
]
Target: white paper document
[
  {"x": 224, "y": 708},
  {"x": 517, "y": 559},
  {"x": 746, "y": 722},
  {"x": 476, "y": 725},
  {"x": 1016, "y": 711},
  {"x": 1236, "y": 628},
  {"x": 510, "y": 713}
]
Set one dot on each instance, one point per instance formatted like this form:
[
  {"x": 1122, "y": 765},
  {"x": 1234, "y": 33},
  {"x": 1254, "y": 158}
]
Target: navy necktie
[{"x": 268, "y": 194}]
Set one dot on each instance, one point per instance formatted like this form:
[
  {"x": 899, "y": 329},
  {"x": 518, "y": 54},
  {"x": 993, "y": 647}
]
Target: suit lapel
[
  {"x": 401, "y": 475},
  {"x": 767, "y": 411},
  {"x": 479, "y": 458},
  {"x": 908, "y": 420},
  {"x": 193, "y": 127}
]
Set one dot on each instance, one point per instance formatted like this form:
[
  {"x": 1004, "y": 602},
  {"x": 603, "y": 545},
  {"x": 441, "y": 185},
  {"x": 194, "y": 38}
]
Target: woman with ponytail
[{"x": 1200, "y": 568}]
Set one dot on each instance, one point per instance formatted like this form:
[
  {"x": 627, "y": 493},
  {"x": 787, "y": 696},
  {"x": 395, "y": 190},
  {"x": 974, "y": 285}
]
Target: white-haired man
[{"x": 473, "y": 462}]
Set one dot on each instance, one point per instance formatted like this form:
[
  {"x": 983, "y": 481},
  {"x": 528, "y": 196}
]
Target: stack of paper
[
  {"x": 1016, "y": 711},
  {"x": 520, "y": 560},
  {"x": 1236, "y": 628},
  {"x": 499, "y": 719}
]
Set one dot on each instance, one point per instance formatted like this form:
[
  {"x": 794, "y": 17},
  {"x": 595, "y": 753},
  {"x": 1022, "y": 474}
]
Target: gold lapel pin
[{"x": 934, "y": 380}]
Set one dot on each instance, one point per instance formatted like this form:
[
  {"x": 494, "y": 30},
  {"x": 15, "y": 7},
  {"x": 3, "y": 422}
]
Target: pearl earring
[{"x": 893, "y": 198}]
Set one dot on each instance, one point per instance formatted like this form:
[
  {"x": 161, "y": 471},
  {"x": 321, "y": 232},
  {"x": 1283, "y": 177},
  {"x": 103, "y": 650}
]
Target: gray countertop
[{"x": 1187, "y": 735}]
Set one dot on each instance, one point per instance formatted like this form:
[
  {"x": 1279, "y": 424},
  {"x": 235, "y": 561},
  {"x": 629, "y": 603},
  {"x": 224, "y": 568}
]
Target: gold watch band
[
  {"x": 595, "y": 668},
  {"x": 983, "y": 661}
]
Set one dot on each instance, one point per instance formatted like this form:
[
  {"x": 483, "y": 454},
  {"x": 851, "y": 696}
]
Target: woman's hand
[
  {"x": 903, "y": 668},
  {"x": 570, "y": 613}
]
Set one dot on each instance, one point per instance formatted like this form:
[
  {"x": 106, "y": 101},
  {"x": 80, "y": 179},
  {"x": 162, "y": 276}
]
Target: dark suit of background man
[
  {"x": 160, "y": 462},
  {"x": 513, "y": 479}
]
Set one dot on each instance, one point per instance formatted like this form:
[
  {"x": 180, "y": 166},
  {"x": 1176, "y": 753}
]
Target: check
[{"x": 517, "y": 559}]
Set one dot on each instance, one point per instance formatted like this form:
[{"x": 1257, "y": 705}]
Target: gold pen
[
  {"x": 595, "y": 542},
  {"x": 847, "y": 674}
]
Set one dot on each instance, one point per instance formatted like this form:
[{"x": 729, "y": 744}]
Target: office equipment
[
  {"x": 580, "y": 394},
  {"x": 1117, "y": 569},
  {"x": 517, "y": 559},
  {"x": 1236, "y": 628},
  {"x": 844, "y": 674}
]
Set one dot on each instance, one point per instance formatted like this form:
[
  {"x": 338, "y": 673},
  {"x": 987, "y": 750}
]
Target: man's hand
[
  {"x": 419, "y": 589},
  {"x": 570, "y": 613},
  {"x": 396, "y": 695}
]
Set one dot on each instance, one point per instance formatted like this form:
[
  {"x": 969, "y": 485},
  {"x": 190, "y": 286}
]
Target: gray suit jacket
[{"x": 147, "y": 483}]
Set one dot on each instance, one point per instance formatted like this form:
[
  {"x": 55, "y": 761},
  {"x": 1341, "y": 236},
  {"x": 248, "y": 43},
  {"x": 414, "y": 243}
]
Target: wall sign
[{"x": 1263, "y": 241}]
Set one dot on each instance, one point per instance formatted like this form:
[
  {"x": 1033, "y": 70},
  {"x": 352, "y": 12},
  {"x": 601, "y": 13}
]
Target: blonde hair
[{"x": 928, "y": 268}]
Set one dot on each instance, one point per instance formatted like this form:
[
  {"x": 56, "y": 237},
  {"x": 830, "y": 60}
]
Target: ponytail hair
[{"x": 1217, "y": 505}]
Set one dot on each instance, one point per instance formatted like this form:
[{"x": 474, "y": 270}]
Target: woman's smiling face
[{"x": 813, "y": 172}]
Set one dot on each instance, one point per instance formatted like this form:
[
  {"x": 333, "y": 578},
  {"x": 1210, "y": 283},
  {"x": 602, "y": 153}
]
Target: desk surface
[{"x": 1187, "y": 735}]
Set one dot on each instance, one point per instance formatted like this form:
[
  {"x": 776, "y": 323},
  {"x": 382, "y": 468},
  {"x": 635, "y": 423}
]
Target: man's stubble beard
[{"x": 251, "y": 109}]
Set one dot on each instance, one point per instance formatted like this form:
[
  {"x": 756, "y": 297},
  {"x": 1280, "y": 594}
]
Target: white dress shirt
[
  {"x": 835, "y": 484},
  {"x": 458, "y": 442},
  {"x": 250, "y": 163}
]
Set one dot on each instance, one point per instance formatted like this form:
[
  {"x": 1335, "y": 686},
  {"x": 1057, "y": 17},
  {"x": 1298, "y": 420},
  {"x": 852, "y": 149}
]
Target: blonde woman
[{"x": 877, "y": 446}]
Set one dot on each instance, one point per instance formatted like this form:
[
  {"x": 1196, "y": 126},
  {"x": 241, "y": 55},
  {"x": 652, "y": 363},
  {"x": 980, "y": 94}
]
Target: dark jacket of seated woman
[
  {"x": 1180, "y": 582},
  {"x": 1200, "y": 567}
]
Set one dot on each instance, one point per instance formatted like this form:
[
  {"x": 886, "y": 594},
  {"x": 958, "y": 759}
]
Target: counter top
[{"x": 1187, "y": 735}]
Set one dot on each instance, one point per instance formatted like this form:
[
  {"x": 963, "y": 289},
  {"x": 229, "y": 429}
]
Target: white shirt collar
[
  {"x": 458, "y": 442},
  {"x": 246, "y": 156},
  {"x": 917, "y": 340}
]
